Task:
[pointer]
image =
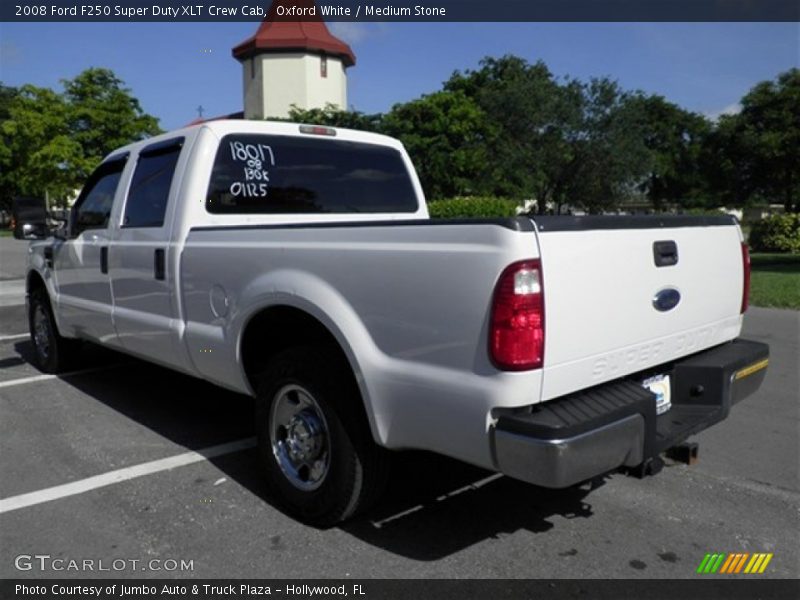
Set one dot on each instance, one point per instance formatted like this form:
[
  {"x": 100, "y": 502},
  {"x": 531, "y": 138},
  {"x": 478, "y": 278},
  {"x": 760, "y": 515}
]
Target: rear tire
[
  {"x": 52, "y": 352},
  {"x": 321, "y": 461}
]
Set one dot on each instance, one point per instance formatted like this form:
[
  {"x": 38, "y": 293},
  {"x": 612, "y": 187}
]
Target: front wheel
[
  {"x": 52, "y": 351},
  {"x": 321, "y": 461}
]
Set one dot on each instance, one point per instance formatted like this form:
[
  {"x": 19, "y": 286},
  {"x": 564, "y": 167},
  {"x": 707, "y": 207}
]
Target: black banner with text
[
  {"x": 400, "y": 10},
  {"x": 398, "y": 589}
]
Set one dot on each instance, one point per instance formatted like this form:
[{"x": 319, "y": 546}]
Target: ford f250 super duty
[{"x": 297, "y": 264}]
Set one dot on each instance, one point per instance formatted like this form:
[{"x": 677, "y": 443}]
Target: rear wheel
[
  {"x": 52, "y": 352},
  {"x": 320, "y": 458}
]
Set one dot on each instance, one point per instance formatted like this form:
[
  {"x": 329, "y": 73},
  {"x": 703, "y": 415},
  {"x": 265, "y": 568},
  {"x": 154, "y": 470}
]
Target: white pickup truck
[{"x": 297, "y": 264}]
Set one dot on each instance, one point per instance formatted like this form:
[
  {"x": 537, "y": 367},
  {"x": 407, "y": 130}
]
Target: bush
[
  {"x": 472, "y": 206},
  {"x": 778, "y": 233}
]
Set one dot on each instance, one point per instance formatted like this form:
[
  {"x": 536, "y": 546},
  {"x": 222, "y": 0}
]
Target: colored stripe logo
[
  {"x": 754, "y": 368},
  {"x": 734, "y": 563}
]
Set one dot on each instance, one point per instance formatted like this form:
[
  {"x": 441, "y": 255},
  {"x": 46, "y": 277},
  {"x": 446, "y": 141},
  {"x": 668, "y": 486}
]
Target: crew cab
[{"x": 297, "y": 264}]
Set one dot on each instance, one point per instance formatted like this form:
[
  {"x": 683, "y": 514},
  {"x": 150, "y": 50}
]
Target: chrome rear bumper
[{"x": 565, "y": 441}]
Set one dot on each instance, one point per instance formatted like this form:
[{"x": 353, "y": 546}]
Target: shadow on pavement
[{"x": 434, "y": 506}]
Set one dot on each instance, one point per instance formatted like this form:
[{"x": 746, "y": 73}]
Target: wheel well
[
  {"x": 278, "y": 328},
  {"x": 34, "y": 282}
]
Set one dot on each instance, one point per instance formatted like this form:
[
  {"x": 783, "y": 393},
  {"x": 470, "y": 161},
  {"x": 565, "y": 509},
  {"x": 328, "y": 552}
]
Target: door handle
[
  {"x": 159, "y": 264},
  {"x": 104, "y": 260},
  {"x": 665, "y": 253}
]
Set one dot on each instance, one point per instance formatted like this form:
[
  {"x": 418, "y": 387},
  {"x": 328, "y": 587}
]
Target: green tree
[
  {"x": 558, "y": 142},
  {"x": 605, "y": 154},
  {"x": 726, "y": 165},
  {"x": 39, "y": 156},
  {"x": 446, "y": 135},
  {"x": 675, "y": 139},
  {"x": 52, "y": 141},
  {"x": 522, "y": 103},
  {"x": 103, "y": 115},
  {"x": 7, "y": 95},
  {"x": 762, "y": 142},
  {"x": 333, "y": 116}
]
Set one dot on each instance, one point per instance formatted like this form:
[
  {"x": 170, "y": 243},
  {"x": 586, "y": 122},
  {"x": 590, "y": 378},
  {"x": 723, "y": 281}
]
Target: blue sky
[{"x": 174, "y": 67}]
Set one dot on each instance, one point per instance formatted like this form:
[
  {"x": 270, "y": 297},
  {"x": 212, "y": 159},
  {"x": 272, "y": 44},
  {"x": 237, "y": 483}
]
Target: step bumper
[{"x": 568, "y": 440}]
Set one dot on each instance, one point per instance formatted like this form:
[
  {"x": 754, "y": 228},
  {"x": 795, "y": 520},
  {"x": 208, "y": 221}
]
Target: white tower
[{"x": 291, "y": 62}]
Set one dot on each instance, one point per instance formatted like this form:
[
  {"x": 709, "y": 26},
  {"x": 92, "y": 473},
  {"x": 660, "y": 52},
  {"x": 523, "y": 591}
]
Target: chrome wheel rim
[
  {"x": 41, "y": 331},
  {"x": 299, "y": 436}
]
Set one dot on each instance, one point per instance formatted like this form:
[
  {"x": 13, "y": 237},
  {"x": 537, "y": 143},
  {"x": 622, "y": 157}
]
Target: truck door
[
  {"x": 145, "y": 305},
  {"x": 81, "y": 262}
]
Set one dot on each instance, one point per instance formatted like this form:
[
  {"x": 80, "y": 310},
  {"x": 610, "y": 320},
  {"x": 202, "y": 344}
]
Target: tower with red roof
[{"x": 293, "y": 60}]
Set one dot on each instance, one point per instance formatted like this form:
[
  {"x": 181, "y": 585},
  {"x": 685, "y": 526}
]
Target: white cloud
[
  {"x": 350, "y": 32},
  {"x": 731, "y": 109}
]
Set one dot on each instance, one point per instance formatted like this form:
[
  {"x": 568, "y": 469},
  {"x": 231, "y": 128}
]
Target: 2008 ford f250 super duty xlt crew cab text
[{"x": 297, "y": 264}]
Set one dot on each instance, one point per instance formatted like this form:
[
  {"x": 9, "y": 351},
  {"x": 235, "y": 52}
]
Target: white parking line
[
  {"x": 12, "y": 292},
  {"x": 35, "y": 378},
  {"x": 98, "y": 481},
  {"x": 9, "y": 338},
  {"x": 24, "y": 380},
  {"x": 469, "y": 487}
]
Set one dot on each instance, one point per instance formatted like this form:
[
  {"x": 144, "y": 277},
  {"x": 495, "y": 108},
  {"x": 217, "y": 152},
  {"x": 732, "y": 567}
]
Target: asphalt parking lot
[{"x": 439, "y": 519}]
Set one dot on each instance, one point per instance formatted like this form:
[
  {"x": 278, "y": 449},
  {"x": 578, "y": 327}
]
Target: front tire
[
  {"x": 321, "y": 461},
  {"x": 52, "y": 352}
]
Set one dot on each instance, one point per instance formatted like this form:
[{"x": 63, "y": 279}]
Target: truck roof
[{"x": 223, "y": 127}]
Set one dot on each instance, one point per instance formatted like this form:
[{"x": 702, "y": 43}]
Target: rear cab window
[
  {"x": 146, "y": 205},
  {"x": 274, "y": 174}
]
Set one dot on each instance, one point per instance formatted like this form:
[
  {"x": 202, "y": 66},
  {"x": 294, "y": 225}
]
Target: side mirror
[
  {"x": 30, "y": 218},
  {"x": 31, "y": 231},
  {"x": 32, "y": 222}
]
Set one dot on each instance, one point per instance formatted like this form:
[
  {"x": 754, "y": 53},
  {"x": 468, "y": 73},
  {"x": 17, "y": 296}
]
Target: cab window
[
  {"x": 147, "y": 199},
  {"x": 92, "y": 209}
]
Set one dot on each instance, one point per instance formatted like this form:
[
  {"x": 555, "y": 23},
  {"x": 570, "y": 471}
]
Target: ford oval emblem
[{"x": 666, "y": 299}]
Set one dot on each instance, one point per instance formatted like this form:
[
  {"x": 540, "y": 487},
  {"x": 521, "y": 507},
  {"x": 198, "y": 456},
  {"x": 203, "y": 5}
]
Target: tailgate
[{"x": 609, "y": 284}]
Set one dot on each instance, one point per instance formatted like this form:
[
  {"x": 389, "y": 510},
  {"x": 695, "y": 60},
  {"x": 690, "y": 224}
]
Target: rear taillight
[
  {"x": 516, "y": 334},
  {"x": 746, "y": 284}
]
